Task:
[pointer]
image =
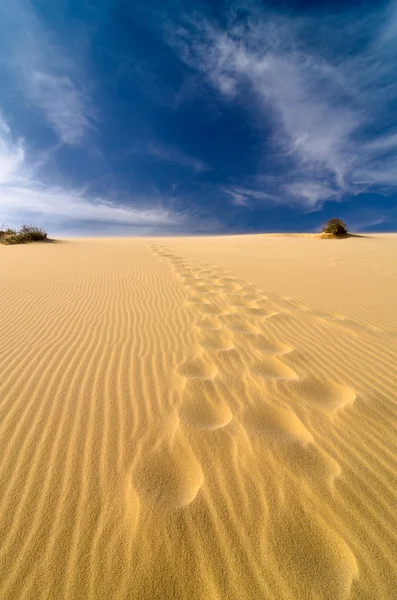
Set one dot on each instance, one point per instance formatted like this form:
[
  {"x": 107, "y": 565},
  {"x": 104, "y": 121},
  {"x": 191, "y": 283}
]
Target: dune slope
[{"x": 199, "y": 418}]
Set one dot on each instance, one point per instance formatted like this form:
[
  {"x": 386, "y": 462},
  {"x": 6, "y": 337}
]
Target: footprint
[
  {"x": 318, "y": 314},
  {"x": 232, "y": 287},
  {"x": 197, "y": 368},
  {"x": 238, "y": 324},
  {"x": 211, "y": 323},
  {"x": 237, "y": 300},
  {"x": 272, "y": 368},
  {"x": 228, "y": 284},
  {"x": 257, "y": 311},
  {"x": 202, "y": 288},
  {"x": 280, "y": 317},
  {"x": 210, "y": 275},
  {"x": 277, "y": 424},
  {"x": 217, "y": 340},
  {"x": 197, "y": 299},
  {"x": 206, "y": 415},
  {"x": 169, "y": 477},
  {"x": 203, "y": 408},
  {"x": 227, "y": 280},
  {"x": 270, "y": 347},
  {"x": 186, "y": 274},
  {"x": 352, "y": 326},
  {"x": 253, "y": 297},
  {"x": 315, "y": 562},
  {"x": 212, "y": 308},
  {"x": 190, "y": 281},
  {"x": 312, "y": 462},
  {"x": 327, "y": 395}
]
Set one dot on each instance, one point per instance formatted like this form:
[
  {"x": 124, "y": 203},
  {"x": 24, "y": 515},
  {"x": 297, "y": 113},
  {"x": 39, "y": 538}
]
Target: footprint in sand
[
  {"x": 205, "y": 288},
  {"x": 197, "y": 298},
  {"x": 190, "y": 282},
  {"x": 269, "y": 346},
  {"x": 313, "y": 463},
  {"x": 197, "y": 368},
  {"x": 187, "y": 274},
  {"x": 218, "y": 340},
  {"x": 258, "y": 311},
  {"x": 211, "y": 323},
  {"x": 202, "y": 407},
  {"x": 254, "y": 296},
  {"x": 170, "y": 477},
  {"x": 317, "y": 394},
  {"x": 239, "y": 324},
  {"x": 314, "y": 561},
  {"x": 352, "y": 326},
  {"x": 228, "y": 284},
  {"x": 212, "y": 308},
  {"x": 240, "y": 301},
  {"x": 277, "y": 424},
  {"x": 273, "y": 368}
]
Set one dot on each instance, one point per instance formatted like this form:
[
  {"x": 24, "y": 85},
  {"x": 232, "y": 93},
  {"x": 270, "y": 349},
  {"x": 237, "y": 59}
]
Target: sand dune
[{"x": 199, "y": 418}]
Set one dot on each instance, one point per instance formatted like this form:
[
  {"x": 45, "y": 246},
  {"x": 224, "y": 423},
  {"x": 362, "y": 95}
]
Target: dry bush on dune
[
  {"x": 335, "y": 227},
  {"x": 23, "y": 235}
]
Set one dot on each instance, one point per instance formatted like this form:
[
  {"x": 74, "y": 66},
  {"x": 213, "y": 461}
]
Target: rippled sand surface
[{"x": 199, "y": 418}]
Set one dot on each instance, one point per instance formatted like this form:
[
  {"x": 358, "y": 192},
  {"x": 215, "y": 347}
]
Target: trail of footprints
[{"x": 229, "y": 317}]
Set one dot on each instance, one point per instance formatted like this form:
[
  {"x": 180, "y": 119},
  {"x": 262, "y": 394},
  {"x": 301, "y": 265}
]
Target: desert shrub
[
  {"x": 335, "y": 227},
  {"x": 23, "y": 235},
  {"x": 6, "y": 231},
  {"x": 32, "y": 234}
]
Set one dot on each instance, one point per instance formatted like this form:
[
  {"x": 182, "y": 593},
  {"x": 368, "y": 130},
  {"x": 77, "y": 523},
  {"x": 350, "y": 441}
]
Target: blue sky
[{"x": 177, "y": 117}]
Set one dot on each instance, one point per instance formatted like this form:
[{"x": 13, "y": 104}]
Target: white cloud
[
  {"x": 388, "y": 142},
  {"x": 310, "y": 193},
  {"x": 48, "y": 72},
  {"x": 11, "y": 155},
  {"x": 62, "y": 102},
  {"x": 245, "y": 196},
  {"x": 323, "y": 103},
  {"x": 23, "y": 198}
]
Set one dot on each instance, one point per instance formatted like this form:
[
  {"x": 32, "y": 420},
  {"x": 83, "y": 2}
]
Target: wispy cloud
[
  {"x": 24, "y": 198},
  {"x": 47, "y": 71},
  {"x": 325, "y": 96},
  {"x": 63, "y": 103},
  {"x": 172, "y": 154},
  {"x": 245, "y": 196}
]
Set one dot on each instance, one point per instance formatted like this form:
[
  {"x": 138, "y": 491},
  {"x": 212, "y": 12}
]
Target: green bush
[
  {"x": 335, "y": 227},
  {"x": 23, "y": 235}
]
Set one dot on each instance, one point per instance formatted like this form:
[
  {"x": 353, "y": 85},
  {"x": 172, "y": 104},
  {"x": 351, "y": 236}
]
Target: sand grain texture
[{"x": 199, "y": 418}]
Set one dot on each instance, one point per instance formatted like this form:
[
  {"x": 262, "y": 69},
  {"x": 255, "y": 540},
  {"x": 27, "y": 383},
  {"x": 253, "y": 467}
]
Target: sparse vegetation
[
  {"x": 23, "y": 235},
  {"x": 335, "y": 227}
]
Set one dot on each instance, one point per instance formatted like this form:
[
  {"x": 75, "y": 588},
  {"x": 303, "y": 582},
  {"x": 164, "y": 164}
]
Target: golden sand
[{"x": 199, "y": 418}]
